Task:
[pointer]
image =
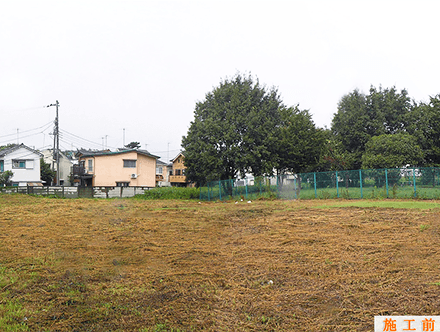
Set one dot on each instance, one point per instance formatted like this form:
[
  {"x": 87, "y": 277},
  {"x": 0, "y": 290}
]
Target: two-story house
[
  {"x": 24, "y": 162},
  {"x": 66, "y": 165},
  {"x": 163, "y": 173},
  {"x": 124, "y": 168},
  {"x": 177, "y": 176}
]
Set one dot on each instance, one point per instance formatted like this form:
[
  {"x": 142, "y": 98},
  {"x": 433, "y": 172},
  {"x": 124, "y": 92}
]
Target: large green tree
[
  {"x": 234, "y": 131},
  {"x": 300, "y": 143},
  {"x": 360, "y": 117},
  {"x": 391, "y": 151},
  {"x": 423, "y": 123}
]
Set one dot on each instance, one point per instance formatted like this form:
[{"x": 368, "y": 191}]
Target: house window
[
  {"x": 18, "y": 164},
  {"x": 159, "y": 170},
  {"x": 129, "y": 163},
  {"x": 122, "y": 184},
  {"x": 90, "y": 165},
  {"x": 177, "y": 171},
  {"x": 2, "y": 166}
]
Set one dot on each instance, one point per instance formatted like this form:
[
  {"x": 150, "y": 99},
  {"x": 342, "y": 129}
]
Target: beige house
[
  {"x": 163, "y": 173},
  {"x": 178, "y": 178},
  {"x": 126, "y": 168}
]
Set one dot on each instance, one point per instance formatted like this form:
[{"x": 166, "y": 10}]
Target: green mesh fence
[{"x": 423, "y": 183}]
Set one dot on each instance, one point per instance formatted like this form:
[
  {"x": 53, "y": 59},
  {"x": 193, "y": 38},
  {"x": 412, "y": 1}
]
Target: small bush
[{"x": 170, "y": 193}]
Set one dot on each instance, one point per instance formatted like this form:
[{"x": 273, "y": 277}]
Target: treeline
[
  {"x": 243, "y": 127},
  {"x": 384, "y": 129}
]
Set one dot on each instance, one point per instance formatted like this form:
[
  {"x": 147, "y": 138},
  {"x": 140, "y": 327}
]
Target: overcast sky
[{"x": 142, "y": 65}]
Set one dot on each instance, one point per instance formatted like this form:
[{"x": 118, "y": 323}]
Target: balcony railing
[
  {"x": 78, "y": 170},
  {"x": 178, "y": 178}
]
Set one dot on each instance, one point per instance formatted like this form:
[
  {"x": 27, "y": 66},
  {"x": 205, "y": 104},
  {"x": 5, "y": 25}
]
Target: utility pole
[{"x": 56, "y": 144}]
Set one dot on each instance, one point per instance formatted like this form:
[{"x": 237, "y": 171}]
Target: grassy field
[{"x": 144, "y": 265}]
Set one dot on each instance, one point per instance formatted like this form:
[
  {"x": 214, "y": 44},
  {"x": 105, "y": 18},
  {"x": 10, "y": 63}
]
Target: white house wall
[
  {"x": 65, "y": 165},
  {"x": 26, "y": 174}
]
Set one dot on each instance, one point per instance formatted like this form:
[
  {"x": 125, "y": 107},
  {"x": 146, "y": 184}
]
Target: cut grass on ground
[
  {"x": 393, "y": 204},
  {"x": 142, "y": 265}
]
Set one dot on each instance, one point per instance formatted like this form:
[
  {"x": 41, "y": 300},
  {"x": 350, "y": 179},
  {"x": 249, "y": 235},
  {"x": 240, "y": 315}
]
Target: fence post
[
  {"x": 337, "y": 185},
  {"x": 220, "y": 190},
  {"x": 314, "y": 181},
  {"x": 360, "y": 182},
  {"x": 386, "y": 179},
  {"x": 414, "y": 180}
]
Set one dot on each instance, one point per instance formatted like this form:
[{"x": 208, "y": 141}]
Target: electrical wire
[
  {"x": 25, "y": 109},
  {"x": 13, "y": 139},
  {"x": 26, "y": 131},
  {"x": 76, "y": 138}
]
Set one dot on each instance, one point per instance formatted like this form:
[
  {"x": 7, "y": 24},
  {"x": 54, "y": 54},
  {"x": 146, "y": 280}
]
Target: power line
[
  {"x": 25, "y": 109},
  {"x": 13, "y": 139},
  {"x": 84, "y": 139},
  {"x": 28, "y": 130}
]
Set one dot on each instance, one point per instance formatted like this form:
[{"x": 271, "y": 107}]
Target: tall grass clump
[{"x": 170, "y": 193}]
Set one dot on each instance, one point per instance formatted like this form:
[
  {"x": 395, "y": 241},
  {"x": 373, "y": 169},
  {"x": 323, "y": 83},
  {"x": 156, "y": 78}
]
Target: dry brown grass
[{"x": 128, "y": 265}]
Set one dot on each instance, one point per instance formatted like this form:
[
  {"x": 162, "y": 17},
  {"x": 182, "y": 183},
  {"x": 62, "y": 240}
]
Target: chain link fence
[{"x": 422, "y": 183}]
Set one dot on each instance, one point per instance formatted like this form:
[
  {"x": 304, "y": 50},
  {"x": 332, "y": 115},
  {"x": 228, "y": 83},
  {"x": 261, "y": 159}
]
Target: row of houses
[{"x": 121, "y": 168}]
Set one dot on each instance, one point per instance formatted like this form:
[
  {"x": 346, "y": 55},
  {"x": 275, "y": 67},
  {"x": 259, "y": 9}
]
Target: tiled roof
[
  {"x": 15, "y": 147},
  {"x": 86, "y": 153}
]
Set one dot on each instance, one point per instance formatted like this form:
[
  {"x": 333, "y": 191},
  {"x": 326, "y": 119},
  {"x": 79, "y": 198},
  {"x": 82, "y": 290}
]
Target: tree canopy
[
  {"x": 46, "y": 174},
  {"x": 423, "y": 124},
  {"x": 300, "y": 143},
  {"x": 243, "y": 127},
  {"x": 360, "y": 117},
  {"x": 5, "y": 178},
  {"x": 133, "y": 145},
  {"x": 233, "y": 131},
  {"x": 391, "y": 151}
]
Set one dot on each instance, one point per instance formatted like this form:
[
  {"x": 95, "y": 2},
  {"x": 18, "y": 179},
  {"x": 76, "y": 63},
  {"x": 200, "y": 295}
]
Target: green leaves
[
  {"x": 360, "y": 117},
  {"x": 235, "y": 130},
  {"x": 46, "y": 174},
  {"x": 390, "y": 151},
  {"x": 300, "y": 143},
  {"x": 5, "y": 178}
]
